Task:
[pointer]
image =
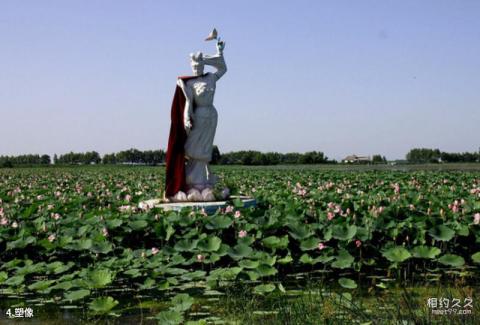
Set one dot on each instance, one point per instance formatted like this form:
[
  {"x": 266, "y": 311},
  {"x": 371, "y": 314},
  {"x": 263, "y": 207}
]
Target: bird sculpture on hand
[{"x": 214, "y": 35}]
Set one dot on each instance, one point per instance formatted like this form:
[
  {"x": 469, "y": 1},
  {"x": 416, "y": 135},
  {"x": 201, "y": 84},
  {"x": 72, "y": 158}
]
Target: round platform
[{"x": 209, "y": 207}]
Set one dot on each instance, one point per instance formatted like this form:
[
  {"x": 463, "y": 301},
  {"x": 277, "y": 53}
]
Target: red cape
[{"x": 175, "y": 159}]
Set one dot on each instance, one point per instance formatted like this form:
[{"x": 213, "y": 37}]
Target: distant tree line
[
  {"x": 78, "y": 158},
  {"x": 24, "y": 160},
  {"x": 135, "y": 156},
  {"x": 250, "y": 157},
  {"x": 244, "y": 157},
  {"x": 425, "y": 155}
]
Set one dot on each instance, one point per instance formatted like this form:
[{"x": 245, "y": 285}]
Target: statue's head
[{"x": 196, "y": 61}]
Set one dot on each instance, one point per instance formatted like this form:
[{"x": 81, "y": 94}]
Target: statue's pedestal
[{"x": 208, "y": 207}]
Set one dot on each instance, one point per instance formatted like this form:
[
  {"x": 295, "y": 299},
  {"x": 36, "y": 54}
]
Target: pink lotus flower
[
  {"x": 454, "y": 207},
  {"x": 39, "y": 197},
  {"x": 330, "y": 215},
  {"x": 4, "y": 221},
  {"x": 51, "y": 237},
  {"x": 229, "y": 209},
  {"x": 200, "y": 258},
  {"x": 476, "y": 218},
  {"x": 128, "y": 197},
  {"x": 396, "y": 188},
  {"x": 358, "y": 243},
  {"x": 242, "y": 233},
  {"x": 237, "y": 214},
  {"x": 155, "y": 250},
  {"x": 321, "y": 246},
  {"x": 330, "y": 205}
]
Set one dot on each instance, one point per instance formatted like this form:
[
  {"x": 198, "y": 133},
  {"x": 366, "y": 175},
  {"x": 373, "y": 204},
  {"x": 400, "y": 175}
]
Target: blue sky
[{"x": 341, "y": 77}]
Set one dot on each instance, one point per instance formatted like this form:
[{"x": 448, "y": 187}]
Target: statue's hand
[
  {"x": 188, "y": 124},
  {"x": 220, "y": 46}
]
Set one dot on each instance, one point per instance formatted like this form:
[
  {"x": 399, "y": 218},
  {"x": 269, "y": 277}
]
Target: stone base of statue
[{"x": 209, "y": 207}]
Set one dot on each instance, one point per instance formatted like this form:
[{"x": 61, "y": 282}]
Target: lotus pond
[{"x": 75, "y": 247}]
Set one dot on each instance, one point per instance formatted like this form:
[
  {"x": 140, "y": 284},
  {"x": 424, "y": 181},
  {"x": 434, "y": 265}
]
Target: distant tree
[
  {"x": 6, "y": 164},
  {"x": 291, "y": 158},
  {"x": 45, "y": 160},
  {"x": 109, "y": 159},
  {"x": 158, "y": 157},
  {"x": 378, "y": 159},
  {"x": 424, "y": 155},
  {"x": 312, "y": 157},
  {"x": 272, "y": 158}
]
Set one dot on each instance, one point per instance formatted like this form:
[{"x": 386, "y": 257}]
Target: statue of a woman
[{"x": 194, "y": 122}]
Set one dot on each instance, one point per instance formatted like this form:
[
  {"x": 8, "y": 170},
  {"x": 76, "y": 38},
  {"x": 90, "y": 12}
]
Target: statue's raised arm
[{"x": 217, "y": 61}]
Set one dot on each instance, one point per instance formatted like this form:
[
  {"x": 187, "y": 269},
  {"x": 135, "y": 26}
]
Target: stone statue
[{"x": 194, "y": 122}]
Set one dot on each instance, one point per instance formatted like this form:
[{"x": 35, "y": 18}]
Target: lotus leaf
[
  {"x": 396, "y": 254},
  {"x": 103, "y": 305}
]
